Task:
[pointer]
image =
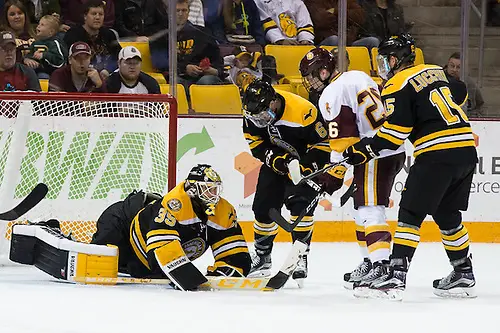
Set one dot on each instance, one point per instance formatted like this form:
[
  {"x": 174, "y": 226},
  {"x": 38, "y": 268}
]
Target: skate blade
[
  {"x": 361, "y": 292},
  {"x": 300, "y": 282},
  {"x": 456, "y": 293},
  {"x": 389, "y": 294},
  {"x": 348, "y": 285},
  {"x": 260, "y": 273}
]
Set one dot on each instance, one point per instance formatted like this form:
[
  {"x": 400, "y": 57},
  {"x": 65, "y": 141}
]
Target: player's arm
[
  {"x": 163, "y": 246},
  {"x": 229, "y": 248},
  {"x": 274, "y": 157}
]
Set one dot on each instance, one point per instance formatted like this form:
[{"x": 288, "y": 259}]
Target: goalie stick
[
  {"x": 220, "y": 283},
  {"x": 34, "y": 197},
  {"x": 287, "y": 226}
]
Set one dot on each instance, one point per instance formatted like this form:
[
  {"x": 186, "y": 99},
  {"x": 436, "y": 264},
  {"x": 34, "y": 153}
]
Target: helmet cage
[
  {"x": 261, "y": 119},
  {"x": 313, "y": 82}
]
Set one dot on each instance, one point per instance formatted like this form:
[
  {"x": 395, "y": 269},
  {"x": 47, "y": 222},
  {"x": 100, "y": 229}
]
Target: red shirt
[
  {"x": 60, "y": 80},
  {"x": 19, "y": 77}
]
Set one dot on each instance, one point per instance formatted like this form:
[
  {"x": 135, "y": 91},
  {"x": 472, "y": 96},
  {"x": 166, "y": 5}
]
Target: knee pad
[
  {"x": 406, "y": 217},
  {"x": 447, "y": 220},
  {"x": 370, "y": 215}
]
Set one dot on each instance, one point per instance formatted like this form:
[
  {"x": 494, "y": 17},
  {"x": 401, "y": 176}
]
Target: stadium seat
[
  {"x": 158, "y": 77},
  {"x": 284, "y": 87},
  {"x": 44, "y": 84},
  {"x": 302, "y": 92},
  {"x": 359, "y": 58},
  {"x": 143, "y": 47},
  {"x": 288, "y": 57},
  {"x": 182, "y": 103},
  {"x": 216, "y": 99}
]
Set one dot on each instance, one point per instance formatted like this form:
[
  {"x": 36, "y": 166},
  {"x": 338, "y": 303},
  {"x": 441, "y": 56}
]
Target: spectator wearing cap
[
  {"x": 102, "y": 41},
  {"x": 79, "y": 75},
  {"x": 129, "y": 79},
  {"x": 13, "y": 75}
]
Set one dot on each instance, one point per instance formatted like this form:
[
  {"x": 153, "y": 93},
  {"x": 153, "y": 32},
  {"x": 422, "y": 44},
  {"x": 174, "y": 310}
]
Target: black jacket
[
  {"x": 140, "y": 17},
  {"x": 375, "y": 24}
]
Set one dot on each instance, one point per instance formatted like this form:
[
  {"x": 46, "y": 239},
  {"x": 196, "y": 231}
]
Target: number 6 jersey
[{"x": 352, "y": 108}]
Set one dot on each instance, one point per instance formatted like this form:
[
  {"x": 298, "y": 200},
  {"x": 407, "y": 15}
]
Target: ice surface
[{"x": 31, "y": 301}]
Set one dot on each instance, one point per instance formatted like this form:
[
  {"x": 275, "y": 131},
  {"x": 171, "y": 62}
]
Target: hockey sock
[
  {"x": 456, "y": 244},
  {"x": 303, "y": 231},
  {"x": 406, "y": 239},
  {"x": 361, "y": 238},
  {"x": 378, "y": 241},
  {"x": 264, "y": 234}
]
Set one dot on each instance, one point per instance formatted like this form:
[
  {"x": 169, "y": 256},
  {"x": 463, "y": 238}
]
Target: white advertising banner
[{"x": 220, "y": 142}]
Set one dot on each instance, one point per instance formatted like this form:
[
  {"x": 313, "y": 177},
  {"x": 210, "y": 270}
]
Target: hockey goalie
[{"x": 146, "y": 236}]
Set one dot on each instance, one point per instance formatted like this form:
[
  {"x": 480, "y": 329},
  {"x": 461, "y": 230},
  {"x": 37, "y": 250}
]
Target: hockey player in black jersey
[
  {"x": 422, "y": 109},
  {"x": 281, "y": 127}
]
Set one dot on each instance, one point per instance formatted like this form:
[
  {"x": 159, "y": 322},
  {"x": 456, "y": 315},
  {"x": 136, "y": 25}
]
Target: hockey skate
[
  {"x": 356, "y": 275},
  {"x": 376, "y": 274},
  {"x": 300, "y": 272},
  {"x": 458, "y": 284},
  {"x": 261, "y": 265},
  {"x": 392, "y": 284}
]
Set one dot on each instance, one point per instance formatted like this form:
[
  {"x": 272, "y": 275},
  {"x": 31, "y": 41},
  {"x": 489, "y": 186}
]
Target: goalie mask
[
  {"x": 256, "y": 103},
  {"x": 401, "y": 47},
  {"x": 204, "y": 183},
  {"x": 317, "y": 68}
]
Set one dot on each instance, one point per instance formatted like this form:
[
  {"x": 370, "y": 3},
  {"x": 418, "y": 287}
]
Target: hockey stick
[
  {"x": 287, "y": 226},
  {"x": 33, "y": 198},
  {"x": 298, "y": 179},
  {"x": 219, "y": 283}
]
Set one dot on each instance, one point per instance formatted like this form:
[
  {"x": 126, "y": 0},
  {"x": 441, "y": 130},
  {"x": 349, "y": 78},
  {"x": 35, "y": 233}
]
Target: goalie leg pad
[{"x": 48, "y": 250}]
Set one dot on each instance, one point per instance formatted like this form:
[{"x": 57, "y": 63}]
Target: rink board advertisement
[{"x": 220, "y": 142}]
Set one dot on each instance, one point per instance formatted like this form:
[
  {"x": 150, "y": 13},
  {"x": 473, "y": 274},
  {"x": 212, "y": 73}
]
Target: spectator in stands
[
  {"x": 129, "y": 79},
  {"x": 241, "y": 23},
  {"x": 383, "y": 18},
  {"x": 139, "y": 20},
  {"x": 79, "y": 75},
  {"x": 493, "y": 13},
  {"x": 198, "y": 55},
  {"x": 286, "y": 22},
  {"x": 14, "y": 76},
  {"x": 47, "y": 53},
  {"x": 16, "y": 20},
  {"x": 324, "y": 14},
  {"x": 475, "y": 98},
  {"x": 102, "y": 41},
  {"x": 196, "y": 13},
  {"x": 36, "y": 9},
  {"x": 244, "y": 67},
  {"x": 212, "y": 10},
  {"x": 71, "y": 12}
]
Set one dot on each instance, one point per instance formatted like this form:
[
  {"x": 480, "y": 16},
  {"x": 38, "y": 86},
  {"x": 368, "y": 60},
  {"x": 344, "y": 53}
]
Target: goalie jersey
[
  {"x": 352, "y": 109},
  {"x": 288, "y": 19},
  {"x": 171, "y": 232},
  {"x": 423, "y": 109},
  {"x": 298, "y": 129}
]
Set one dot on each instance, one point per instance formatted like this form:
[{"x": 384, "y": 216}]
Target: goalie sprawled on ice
[{"x": 155, "y": 237}]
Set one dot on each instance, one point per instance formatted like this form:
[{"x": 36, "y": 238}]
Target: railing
[{"x": 464, "y": 40}]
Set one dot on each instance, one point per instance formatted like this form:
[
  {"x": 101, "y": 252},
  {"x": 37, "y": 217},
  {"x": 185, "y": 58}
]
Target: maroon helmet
[{"x": 311, "y": 65}]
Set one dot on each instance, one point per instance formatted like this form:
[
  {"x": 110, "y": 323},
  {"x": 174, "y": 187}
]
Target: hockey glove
[
  {"x": 277, "y": 161},
  {"x": 223, "y": 270},
  {"x": 332, "y": 180},
  {"x": 360, "y": 152}
]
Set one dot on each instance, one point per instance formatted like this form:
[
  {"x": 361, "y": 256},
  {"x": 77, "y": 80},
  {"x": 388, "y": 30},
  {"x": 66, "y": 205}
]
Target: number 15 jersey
[{"x": 352, "y": 108}]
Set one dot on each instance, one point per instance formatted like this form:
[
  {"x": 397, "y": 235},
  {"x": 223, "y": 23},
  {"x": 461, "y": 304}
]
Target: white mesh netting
[{"x": 90, "y": 153}]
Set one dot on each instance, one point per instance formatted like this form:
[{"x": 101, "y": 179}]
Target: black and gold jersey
[
  {"x": 299, "y": 128},
  {"x": 421, "y": 107},
  {"x": 170, "y": 229}
]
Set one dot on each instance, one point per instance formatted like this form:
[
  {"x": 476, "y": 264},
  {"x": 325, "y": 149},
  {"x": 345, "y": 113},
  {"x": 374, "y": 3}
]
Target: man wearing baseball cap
[
  {"x": 14, "y": 76},
  {"x": 128, "y": 78},
  {"x": 78, "y": 75}
]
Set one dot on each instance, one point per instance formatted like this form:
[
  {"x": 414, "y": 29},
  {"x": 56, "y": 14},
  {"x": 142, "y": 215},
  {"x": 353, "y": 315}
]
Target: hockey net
[{"x": 90, "y": 150}]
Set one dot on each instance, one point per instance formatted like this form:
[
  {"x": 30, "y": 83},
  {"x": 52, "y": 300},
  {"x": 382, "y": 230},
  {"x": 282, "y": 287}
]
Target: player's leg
[
  {"x": 297, "y": 198},
  {"x": 377, "y": 183},
  {"x": 460, "y": 282},
  {"x": 268, "y": 194}
]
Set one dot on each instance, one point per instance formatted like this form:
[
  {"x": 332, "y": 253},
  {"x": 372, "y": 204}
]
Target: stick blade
[
  {"x": 280, "y": 279},
  {"x": 33, "y": 198},
  {"x": 276, "y": 216}
]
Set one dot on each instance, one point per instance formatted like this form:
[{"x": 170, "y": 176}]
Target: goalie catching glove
[{"x": 360, "y": 152}]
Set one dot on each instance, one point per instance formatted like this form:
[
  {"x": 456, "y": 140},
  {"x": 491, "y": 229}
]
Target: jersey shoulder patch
[
  {"x": 178, "y": 203},
  {"x": 299, "y": 112},
  {"x": 225, "y": 216},
  {"x": 401, "y": 79}
]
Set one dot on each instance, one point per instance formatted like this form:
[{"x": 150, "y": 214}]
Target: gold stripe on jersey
[
  {"x": 253, "y": 140},
  {"x": 225, "y": 254},
  {"x": 440, "y": 134},
  {"x": 169, "y": 252},
  {"x": 465, "y": 100},
  {"x": 394, "y": 133},
  {"x": 309, "y": 28},
  {"x": 160, "y": 236},
  {"x": 398, "y": 128},
  {"x": 156, "y": 245},
  {"x": 339, "y": 145},
  {"x": 265, "y": 229},
  {"x": 227, "y": 240},
  {"x": 137, "y": 241},
  {"x": 269, "y": 24},
  {"x": 401, "y": 79},
  {"x": 323, "y": 146},
  {"x": 446, "y": 146},
  {"x": 298, "y": 112}
]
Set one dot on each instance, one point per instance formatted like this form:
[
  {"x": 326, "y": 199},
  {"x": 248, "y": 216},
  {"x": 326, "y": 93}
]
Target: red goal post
[{"x": 90, "y": 149}]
